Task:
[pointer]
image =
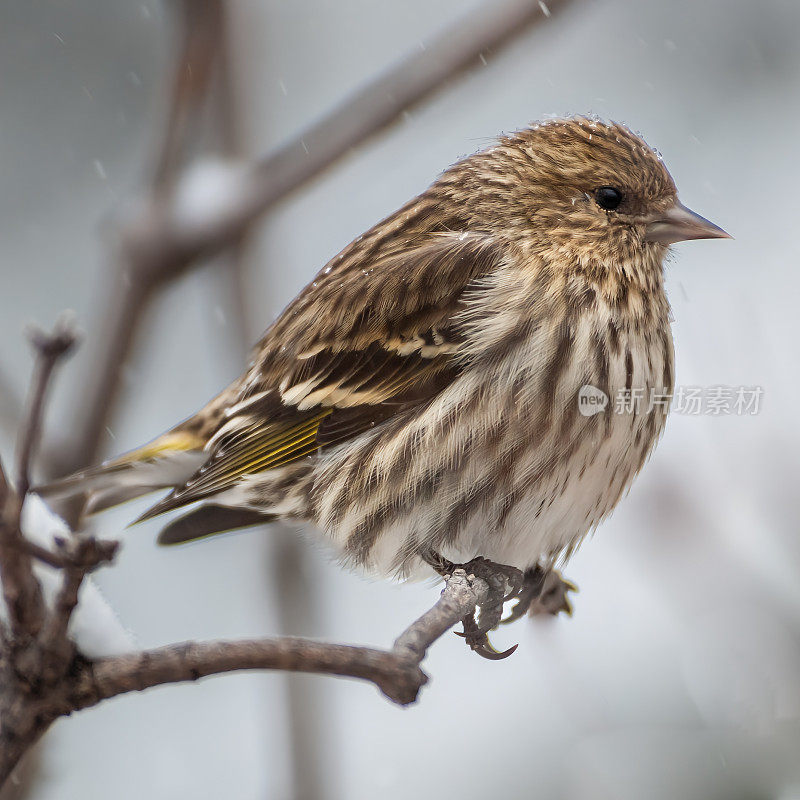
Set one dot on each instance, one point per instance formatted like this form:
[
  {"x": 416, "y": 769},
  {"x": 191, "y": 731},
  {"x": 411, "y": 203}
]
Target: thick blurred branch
[
  {"x": 377, "y": 105},
  {"x": 159, "y": 243},
  {"x": 10, "y": 403},
  {"x": 201, "y": 35}
]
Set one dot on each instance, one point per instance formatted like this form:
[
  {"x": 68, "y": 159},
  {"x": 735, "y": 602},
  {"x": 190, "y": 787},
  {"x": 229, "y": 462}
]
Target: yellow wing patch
[
  {"x": 172, "y": 442},
  {"x": 252, "y": 449}
]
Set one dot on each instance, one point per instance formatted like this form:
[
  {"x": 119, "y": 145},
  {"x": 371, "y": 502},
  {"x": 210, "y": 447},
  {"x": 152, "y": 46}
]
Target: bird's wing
[{"x": 365, "y": 341}]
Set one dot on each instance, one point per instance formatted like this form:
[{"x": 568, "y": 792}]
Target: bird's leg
[
  {"x": 504, "y": 584},
  {"x": 544, "y": 591}
]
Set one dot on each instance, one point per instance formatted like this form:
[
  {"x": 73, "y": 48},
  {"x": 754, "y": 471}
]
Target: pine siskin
[{"x": 421, "y": 396}]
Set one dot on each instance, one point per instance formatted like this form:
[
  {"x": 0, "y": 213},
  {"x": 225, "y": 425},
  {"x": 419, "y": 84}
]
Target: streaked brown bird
[{"x": 419, "y": 401}]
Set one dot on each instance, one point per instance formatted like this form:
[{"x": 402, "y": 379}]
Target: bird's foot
[
  {"x": 504, "y": 582},
  {"x": 544, "y": 591}
]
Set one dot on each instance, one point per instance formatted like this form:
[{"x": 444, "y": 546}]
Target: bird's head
[{"x": 593, "y": 191}]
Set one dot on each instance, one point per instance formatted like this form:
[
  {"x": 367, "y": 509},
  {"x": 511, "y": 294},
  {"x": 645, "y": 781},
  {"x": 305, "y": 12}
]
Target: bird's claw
[
  {"x": 490, "y": 571},
  {"x": 504, "y": 583},
  {"x": 478, "y": 641},
  {"x": 543, "y": 592}
]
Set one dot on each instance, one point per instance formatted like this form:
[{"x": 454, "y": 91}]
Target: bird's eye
[{"x": 608, "y": 197}]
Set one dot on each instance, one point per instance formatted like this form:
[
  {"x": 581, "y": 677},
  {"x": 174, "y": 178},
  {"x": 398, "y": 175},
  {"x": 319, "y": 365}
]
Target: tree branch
[
  {"x": 10, "y": 403},
  {"x": 50, "y": 349},
  {"x": 395, "y": 672},
  {"x": 376, "y": 106},
  {"x": 21, "y": 591},
  {"x": 22, "y": 654},
  {"x": 200, "y": 25},
  {"x": 370, "y": 110}
]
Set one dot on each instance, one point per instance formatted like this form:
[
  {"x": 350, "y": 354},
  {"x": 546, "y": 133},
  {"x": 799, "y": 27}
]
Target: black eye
[{"x": 608, "y": 197}]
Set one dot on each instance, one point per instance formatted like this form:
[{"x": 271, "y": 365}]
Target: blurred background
[{"x": 679, "y": 674}]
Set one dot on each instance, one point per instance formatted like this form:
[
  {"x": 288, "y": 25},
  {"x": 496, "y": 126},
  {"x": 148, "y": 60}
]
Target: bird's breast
[{"x": 516, "y": 460}]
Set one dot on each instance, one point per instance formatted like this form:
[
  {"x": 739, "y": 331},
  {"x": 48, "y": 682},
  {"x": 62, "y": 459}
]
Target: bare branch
[
  {"x": 50, "y": 349},
  {"x": 55, "y": 560},
  {"x": 395, "y": 672},
  {"x": 36, "y": 656},
  {"x": 21, "y": 590},
  {"x": 460, "y": 597},
  {"x": 379, "y": 104},
  {"x": 370, "y": 110}
]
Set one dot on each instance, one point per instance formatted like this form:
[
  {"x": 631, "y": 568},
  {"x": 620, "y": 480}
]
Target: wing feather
[{"x": 366, "y": 340}]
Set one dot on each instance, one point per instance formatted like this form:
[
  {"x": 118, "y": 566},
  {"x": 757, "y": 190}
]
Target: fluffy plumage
[{"x": 421, "y": 393}]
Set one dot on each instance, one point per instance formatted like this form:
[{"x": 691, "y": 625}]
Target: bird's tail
[{"x": 166, "y": 462}]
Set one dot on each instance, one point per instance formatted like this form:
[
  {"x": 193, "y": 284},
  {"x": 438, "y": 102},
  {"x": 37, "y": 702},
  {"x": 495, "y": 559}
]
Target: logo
[{"x": 591, "y": 400}]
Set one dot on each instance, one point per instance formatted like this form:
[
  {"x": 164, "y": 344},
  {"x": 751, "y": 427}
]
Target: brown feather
[{"x": 390, "y": 349}]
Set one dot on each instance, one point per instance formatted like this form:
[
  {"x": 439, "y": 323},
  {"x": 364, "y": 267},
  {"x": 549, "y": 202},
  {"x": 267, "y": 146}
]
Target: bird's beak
[{"x": 678, "y": 223}]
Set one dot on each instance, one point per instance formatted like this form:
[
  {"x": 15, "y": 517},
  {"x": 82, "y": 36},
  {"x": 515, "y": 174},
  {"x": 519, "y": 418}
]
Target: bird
[{"x": 419, "y": 402}]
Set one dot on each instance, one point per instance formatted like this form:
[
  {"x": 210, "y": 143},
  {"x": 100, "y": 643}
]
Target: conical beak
[{"x": 678, "y": 224}]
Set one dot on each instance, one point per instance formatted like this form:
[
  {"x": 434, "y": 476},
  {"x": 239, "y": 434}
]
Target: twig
[
  {"x": 50, "y": 349},
  {"x": 55, "y": 560},
  {"x": 22, "y": 657},
  {"x": 37, "y": 655},
  {"x": 21, "y": 591}
]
